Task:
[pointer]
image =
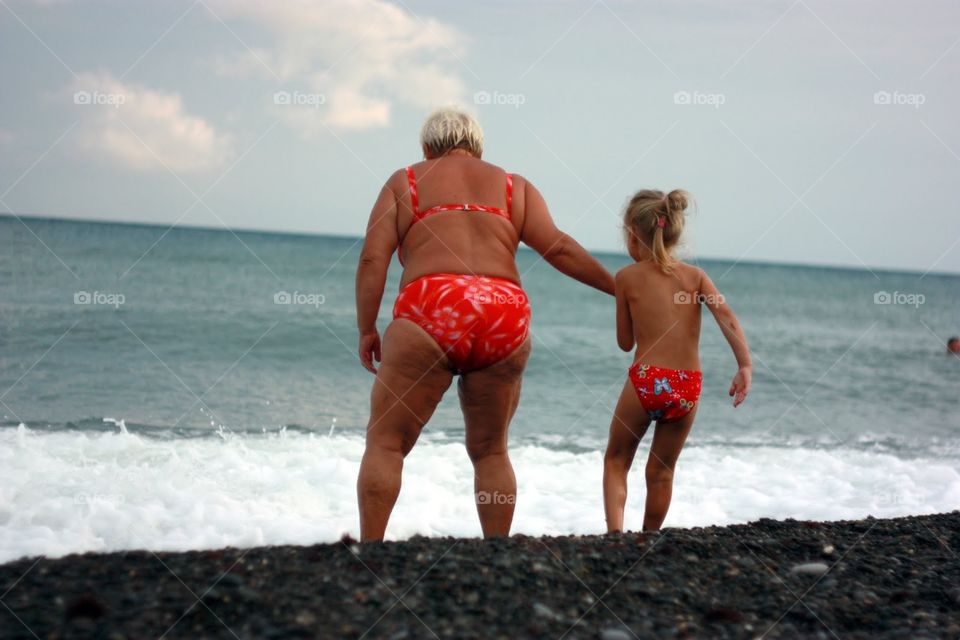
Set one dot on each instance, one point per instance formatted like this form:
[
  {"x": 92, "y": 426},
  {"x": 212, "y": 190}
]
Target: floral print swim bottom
[
  {"x": 665, "y": 394},
  {"x": 476, "y": 320}
]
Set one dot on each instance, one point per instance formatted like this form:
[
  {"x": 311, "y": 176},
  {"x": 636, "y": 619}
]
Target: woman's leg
[
  {"x": 668, "y": 440},
  {"x": 628, "y": 426},
  {"x": 489, "y": 398},
  {"x": 411, "y": 380}
]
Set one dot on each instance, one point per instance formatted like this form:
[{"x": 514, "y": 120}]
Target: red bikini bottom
[
  {"x": 665, "y": 394},
  {"x": 476, "y": 320}
]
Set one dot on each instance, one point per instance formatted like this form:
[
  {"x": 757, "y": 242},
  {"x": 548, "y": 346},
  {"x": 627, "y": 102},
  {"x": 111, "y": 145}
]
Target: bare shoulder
[
  {"x": 478, "y": 164},
  {"x": 689, "y": 274},
  {"x": 397, "y": 182},
  {"x": 628, "y": 276},
  {"x": 518, "y": 180},
  {"x": 525, "y": 195}
]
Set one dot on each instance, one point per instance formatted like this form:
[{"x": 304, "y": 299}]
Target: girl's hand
[
  {"x": 370, "y": 350},
  {"x": 740, "y": 386}
]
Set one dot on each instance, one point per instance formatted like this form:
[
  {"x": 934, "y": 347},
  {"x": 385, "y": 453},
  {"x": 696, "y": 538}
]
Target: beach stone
[
  {"x": 723, "y": 614},
  {"x": 615, "y": 634},
  {"x": 230, "y": 580},
  {"x": 544, "y": 611},
  {"x": 305, "y": 618},
  {"x": 85, "y": 606},
  {"x": 810, "y": 568},
  {"x": 954, "y": 594},
  {"x": 539, "y": 567},
  {"x": 213, "y": 595}
]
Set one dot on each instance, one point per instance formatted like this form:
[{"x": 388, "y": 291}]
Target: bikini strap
[
  {"x": 414, "y": 200},
  {"x": 509, "y": 191}
]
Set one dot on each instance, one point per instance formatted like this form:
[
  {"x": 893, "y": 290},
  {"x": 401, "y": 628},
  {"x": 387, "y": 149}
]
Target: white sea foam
[{"x": 70, "y": 491}]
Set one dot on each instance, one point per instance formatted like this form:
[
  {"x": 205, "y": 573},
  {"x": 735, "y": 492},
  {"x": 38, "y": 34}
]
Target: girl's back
[{"x": 664, "y": 313}]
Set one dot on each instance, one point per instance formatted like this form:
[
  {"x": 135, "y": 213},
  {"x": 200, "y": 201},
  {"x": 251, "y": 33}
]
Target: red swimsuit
[
  {"x": 440, "y": 208},
  {"x": 476, "y": 320},
  {"x": 665, "y": 394}
]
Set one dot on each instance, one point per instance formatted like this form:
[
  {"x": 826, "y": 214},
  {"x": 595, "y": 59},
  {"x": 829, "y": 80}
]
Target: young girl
[{"x": 658, "y": 309}]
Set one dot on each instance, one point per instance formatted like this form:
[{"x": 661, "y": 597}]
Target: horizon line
[{"x": 601, "y": 252}]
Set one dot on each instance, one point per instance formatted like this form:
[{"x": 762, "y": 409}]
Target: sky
[{"x": 807, "y": 131}]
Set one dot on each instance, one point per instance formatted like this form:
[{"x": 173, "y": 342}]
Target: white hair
[{"x": 451, "y": 128}]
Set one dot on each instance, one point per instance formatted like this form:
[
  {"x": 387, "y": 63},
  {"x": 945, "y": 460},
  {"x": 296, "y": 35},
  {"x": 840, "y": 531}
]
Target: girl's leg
[
  {"x": 629, "y": 424},
  {"x": 668, "y": 439}
]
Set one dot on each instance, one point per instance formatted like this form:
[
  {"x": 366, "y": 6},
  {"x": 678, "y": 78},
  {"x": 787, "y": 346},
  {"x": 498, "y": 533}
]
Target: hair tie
[{"x": 661, "y": 222}]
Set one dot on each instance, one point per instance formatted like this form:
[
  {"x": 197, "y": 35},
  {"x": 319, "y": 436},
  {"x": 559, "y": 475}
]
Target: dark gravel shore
[{"x": 896, "y": 578}]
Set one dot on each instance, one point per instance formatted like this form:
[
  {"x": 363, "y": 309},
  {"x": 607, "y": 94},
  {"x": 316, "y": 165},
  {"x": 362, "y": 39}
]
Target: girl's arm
[
  {"x": 624, "y": 321},
  {"x": 733, "y": 332},
  {"x": 378, "y": 246},
  {"x": 562, "y": 252}
]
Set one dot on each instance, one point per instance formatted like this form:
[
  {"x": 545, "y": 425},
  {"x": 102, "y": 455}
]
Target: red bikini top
[{"x": 440, "y": 208}]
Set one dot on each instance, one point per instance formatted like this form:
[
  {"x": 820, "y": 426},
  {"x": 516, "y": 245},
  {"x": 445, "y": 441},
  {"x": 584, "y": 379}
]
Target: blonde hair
[
  {"x": 642, "y": 219},
  {"x": 450, "y": 128}
]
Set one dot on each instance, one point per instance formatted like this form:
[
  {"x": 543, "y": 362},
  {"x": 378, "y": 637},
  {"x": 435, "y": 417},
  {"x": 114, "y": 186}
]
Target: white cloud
[
  {"x": 362, "y": 56},
  {"x": 5, "y": 136},
  {"x": 163, "y": 133}
]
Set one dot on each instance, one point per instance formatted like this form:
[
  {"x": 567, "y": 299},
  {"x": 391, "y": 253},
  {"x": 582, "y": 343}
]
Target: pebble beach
[{"x": 872, "y": 578}]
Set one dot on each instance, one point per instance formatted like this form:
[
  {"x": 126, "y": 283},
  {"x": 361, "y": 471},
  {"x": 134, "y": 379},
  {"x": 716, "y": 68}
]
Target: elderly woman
[{"x": 456, "y": 221}]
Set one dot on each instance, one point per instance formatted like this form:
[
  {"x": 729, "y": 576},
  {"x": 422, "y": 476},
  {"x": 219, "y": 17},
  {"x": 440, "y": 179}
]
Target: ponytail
[
  {"x": 660, "y": 254},
  {"x": 659, "y": 217}
]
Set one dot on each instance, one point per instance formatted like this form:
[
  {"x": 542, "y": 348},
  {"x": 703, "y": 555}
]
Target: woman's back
[{"x": 459, "y": 240}]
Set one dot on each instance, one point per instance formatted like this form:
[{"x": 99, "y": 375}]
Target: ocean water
[{"x": 156, "y": 392}]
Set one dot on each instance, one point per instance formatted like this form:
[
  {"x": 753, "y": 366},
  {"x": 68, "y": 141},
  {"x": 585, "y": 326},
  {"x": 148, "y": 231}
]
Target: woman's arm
[
  {"x": 378, "y": 246},
  {"x": 562, "y": 252},
  {"x": 733, "y": 332}
]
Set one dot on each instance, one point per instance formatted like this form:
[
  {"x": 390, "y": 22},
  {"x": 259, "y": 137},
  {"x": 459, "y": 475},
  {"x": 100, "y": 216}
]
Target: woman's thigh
[
  {"x": 413, "y": 375},
  {"x": 489, "y": 398}
]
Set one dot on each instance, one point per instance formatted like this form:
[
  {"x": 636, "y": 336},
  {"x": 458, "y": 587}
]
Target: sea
[{"x": 181, "y": 388}]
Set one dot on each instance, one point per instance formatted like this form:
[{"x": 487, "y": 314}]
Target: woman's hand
[
  {"x": 370, "y": 350},
  {"x": 740, "y": 386}
]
